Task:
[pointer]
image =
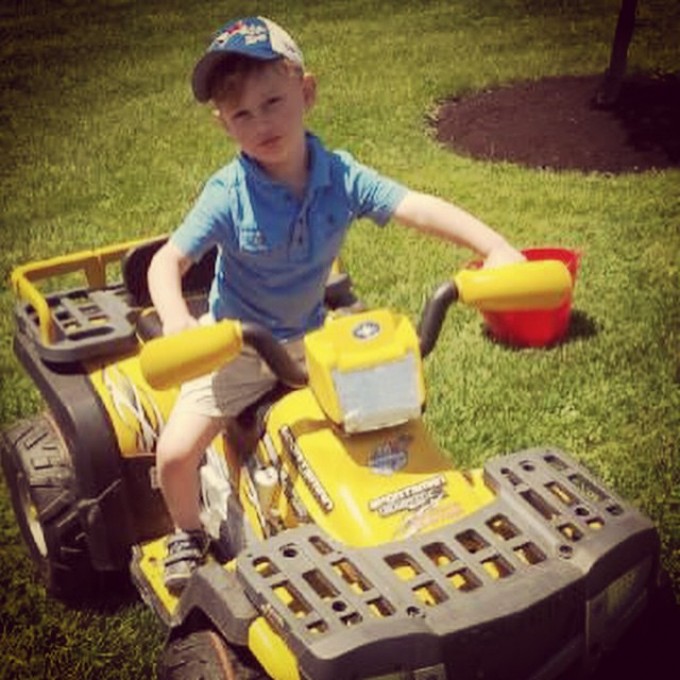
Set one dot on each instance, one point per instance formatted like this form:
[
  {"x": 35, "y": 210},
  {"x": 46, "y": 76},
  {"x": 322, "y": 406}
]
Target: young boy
[{"x": 278, "y": 214}]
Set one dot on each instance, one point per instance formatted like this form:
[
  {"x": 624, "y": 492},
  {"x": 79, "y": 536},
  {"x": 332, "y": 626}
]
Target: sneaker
[{"x": 186, "y": 552}]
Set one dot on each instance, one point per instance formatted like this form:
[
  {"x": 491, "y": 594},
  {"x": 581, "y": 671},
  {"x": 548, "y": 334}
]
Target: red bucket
[{"x": 536, "y": 328}]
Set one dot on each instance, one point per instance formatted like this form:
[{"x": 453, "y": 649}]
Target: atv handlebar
[
  {"x": 434, "y": 313},
  {"x": 174, "y": 359},
  {"x": 169, "y": 361},
  {"x": 540, "y": 284},
  {"x": 274, "y": 354}
]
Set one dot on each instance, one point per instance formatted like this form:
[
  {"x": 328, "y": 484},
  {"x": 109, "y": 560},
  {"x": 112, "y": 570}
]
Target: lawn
[{"x": 101, "y": 142}]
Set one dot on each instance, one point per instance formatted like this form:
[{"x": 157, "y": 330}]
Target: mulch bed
[{"x": 552, "y": 123}]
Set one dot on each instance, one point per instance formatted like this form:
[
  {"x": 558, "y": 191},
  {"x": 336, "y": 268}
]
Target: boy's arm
[
  {"x": 438, "y": 217},
  {"x": 166, "y": 270}
]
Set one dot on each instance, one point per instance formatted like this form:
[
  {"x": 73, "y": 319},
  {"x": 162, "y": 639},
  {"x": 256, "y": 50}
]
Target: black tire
[
  {"x": 39, "y": 473},
  {"x": 203, "y": 654}
]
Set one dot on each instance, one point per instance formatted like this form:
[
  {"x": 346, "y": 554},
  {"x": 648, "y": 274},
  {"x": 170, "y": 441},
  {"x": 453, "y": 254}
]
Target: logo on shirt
[{"x": 252, "y": 240}]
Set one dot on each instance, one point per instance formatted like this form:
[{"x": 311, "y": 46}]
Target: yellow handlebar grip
[
  {"x": 172, "y": 360},
  {"x": 543, "y": 284}
]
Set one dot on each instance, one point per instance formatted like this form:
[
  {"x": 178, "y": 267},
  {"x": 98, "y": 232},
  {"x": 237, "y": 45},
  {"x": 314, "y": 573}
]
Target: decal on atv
[
  {"x": 366, "y": 330},
  {"x": 286, "y": 482},
  {"x": 296, "y": 505},
  {"x": 270, "y": 450},
  {"x": 302, "y": 466},
  {"x": 410, "y": 497},
  {"x": 428, "y": 517},
  {"x": 391, "y": 456},
  {"x": 252, "y": 498},
  {"x": 135, "y": 408},
  {"x": 215, "y": 490}
]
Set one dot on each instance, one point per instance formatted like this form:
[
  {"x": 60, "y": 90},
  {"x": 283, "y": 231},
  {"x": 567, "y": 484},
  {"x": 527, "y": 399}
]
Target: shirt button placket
[
  {"x": 299, "y": 235},
  {"x": 300, "y": 231}
]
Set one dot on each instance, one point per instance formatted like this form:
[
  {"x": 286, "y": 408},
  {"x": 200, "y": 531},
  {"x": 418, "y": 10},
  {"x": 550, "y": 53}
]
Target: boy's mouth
[{"x": 270, "y": 142}]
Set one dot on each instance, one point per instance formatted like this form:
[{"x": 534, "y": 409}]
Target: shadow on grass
[
  {"x": 112, "y": 594},
  {"x": 650, "y": 647},
  {"x": 649, "y": 110},
  {"x": 581, "y": 327}
]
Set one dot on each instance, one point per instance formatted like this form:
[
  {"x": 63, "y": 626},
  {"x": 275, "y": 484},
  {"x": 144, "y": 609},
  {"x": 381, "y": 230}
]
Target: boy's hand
[
  {"x": 178, "y": 324},
  {"x": 504, "y": 254}
]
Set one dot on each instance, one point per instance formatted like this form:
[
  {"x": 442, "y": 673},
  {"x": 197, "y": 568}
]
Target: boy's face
[{"x": 266, "y": 119}]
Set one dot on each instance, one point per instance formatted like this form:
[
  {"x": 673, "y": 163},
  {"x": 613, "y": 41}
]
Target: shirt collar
[{"x": 320, "y": 170}]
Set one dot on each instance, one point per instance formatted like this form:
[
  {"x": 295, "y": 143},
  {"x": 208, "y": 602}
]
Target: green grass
[{"x": 101, "y": 142}]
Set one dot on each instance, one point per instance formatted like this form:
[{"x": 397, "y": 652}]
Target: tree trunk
[{"x": 610, "y": 87}]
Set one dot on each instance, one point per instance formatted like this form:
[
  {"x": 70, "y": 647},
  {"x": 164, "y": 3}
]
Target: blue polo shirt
[{"x": 275, "y": 250}]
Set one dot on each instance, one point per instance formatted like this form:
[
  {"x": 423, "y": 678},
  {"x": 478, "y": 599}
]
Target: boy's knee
[{"x": 171, "y": 455}]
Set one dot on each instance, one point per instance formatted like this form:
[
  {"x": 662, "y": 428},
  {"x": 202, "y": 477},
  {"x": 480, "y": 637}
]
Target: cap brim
[{"x": 200, "y": 79}]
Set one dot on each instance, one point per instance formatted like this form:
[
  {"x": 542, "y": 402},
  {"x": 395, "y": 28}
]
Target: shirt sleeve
[
  {"x": 372, "y": 194},
  {"x": 207, "y": 223}
]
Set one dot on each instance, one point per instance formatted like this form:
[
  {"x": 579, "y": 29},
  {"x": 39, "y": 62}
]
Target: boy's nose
[{"x": 263, "y": 123}]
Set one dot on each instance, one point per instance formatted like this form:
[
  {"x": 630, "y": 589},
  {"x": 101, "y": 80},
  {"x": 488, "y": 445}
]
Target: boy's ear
[{"x": 309, "y": 90}]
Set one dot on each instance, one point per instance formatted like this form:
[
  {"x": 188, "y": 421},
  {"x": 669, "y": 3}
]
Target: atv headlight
[
  {"x": 365, "y": 370},
  {"x": 378, "y": 396}
]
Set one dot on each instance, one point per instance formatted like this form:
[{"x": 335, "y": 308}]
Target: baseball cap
[{"x": 254, "y": 37}]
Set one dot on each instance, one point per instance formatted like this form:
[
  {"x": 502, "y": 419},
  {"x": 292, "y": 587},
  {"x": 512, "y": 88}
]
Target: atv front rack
[{"x": 535, "y": 583}]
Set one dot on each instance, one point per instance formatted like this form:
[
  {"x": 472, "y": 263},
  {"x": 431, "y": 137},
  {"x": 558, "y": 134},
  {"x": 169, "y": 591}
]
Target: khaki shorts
[{"x": 226, "y": 392}]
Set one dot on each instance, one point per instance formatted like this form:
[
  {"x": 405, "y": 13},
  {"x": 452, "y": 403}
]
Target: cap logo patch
[{"x": 252, "y": 34}]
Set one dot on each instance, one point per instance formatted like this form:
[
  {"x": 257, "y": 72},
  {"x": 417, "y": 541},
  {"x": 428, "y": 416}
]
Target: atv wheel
[
  {"x": 203, "y": 654},
  {"x": 39, "y": 473}
]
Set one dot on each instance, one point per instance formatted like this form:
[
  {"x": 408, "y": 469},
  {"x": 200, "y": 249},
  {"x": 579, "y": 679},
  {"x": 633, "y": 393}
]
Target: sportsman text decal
[
  {"x": 410, "y": 497},
  {"x": 313, "y": 483}
]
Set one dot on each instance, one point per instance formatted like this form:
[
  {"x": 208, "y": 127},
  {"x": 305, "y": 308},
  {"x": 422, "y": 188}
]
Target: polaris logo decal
[
  {"x": 302, "y": 466},
  {"x": 366, "y": 330},
  {"x": 410, "y": 498}
]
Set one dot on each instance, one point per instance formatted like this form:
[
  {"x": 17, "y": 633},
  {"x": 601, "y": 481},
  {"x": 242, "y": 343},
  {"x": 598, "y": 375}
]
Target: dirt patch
[{"x": 552, "y": 123}]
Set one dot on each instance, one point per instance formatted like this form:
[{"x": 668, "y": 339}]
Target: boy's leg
[
  {"x": 201, "y": 411},
  {"x": 203, "y": 407},
  {"x": 179, "y": 451},
  {"x": 182, "y": 443}
]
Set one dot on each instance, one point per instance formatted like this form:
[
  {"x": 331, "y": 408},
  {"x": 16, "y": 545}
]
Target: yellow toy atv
[{"x": 344, "y": 544}]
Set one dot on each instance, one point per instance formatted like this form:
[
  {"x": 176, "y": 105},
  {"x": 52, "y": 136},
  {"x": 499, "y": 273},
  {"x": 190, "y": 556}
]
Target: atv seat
[
  {"x": 195, "y": 285},
  {"x": 135, "y": 267}
]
